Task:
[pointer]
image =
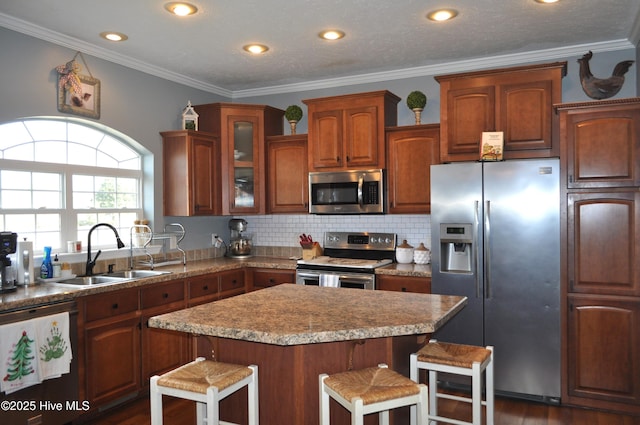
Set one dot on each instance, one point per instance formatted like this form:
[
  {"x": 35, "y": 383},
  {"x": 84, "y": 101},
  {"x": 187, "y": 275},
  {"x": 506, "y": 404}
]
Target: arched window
[{"x": 61, "y": 176}]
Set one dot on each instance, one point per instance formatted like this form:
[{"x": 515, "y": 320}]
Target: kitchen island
[{"x": 294, "y": 333}]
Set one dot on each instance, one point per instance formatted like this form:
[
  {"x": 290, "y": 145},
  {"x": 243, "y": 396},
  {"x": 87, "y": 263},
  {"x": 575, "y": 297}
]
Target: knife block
[{"x": 315, "y": 250}]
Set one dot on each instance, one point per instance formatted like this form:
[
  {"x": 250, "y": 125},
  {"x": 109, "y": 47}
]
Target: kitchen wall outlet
[{"x": 216, "y": 241}]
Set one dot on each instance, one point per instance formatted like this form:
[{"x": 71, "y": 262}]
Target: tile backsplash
[{"x": 283, "y": 230}]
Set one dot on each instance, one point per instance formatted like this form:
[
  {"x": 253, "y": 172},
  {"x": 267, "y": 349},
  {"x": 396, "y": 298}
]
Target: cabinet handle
[
  {"x": 272, "y": 280},
  {"x": 338, "y": 158},
  {"x": 165, "y": 295},
  {"x": 570, "y": 178},
  {"x": 114, "y": 306},
  {"x": 404, "y": 289},
  {"x": 205, "y": 287},
  {"x": 348, "y": 159}
]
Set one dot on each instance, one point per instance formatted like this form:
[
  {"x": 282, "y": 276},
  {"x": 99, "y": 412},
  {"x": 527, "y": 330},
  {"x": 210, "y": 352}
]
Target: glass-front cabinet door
[{"x": 244, "y": 183}]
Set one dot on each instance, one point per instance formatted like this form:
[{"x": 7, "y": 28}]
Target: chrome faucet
[{"x": 91, "y": 263}]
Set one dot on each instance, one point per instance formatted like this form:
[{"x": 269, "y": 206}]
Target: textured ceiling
[{"x": 382, "y": 36}]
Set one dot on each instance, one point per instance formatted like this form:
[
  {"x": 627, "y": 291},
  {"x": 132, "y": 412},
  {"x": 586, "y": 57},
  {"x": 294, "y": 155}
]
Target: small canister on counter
[
  {"x": 421, "y": 255},
  {"x": 404, "y": 253}
]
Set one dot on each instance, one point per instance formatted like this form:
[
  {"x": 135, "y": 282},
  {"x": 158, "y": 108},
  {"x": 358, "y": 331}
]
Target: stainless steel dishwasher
[{"x": 54, "y": 401}]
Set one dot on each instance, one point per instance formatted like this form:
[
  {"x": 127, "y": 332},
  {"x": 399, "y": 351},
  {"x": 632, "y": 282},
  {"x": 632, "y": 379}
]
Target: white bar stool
[
  {"x": 458, "y": 359},
  {"x": 371, "y": 390},
  {"x": 205, "y": 382}
]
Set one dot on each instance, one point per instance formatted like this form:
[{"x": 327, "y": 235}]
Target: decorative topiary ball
[
  {"x": 416, "y": 99},
  {"x": 293, "y": 113}
]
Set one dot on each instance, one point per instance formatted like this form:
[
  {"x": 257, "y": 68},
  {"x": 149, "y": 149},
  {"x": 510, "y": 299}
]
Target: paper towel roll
[{"x": 24, "y": 263}]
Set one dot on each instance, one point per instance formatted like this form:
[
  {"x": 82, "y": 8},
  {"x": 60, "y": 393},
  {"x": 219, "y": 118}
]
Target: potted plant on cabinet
[
  {"x": 416, "y": 101},
  {"x": 293, "y": 114}
]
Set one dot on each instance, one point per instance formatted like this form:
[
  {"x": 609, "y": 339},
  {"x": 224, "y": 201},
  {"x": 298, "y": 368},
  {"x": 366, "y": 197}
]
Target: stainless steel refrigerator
[{"x": 495, "y": 229}]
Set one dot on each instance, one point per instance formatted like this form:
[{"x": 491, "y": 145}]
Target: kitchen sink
[
  {"x": 122, "y": 276},
  {"x": 93, "y": 280},
  {"x": 135, "y": 274}
]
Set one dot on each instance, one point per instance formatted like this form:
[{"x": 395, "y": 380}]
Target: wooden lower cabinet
[
  {"x": 420, "y": 285},
  {"x": 119, "y": 352},
  {"x": 111, "y": 362},
  {"x": 162, "y": 350},
  {"x": 265, "y": 278},
  {"x": 604, "y": 352}
]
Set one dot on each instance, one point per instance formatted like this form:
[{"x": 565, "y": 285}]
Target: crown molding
[{"x": 374, "y": 77}]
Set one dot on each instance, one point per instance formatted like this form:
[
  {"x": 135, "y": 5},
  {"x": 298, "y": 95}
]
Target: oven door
[{"x": 342, "y": 279}]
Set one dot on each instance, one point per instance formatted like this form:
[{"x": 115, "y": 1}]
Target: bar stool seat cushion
[
  {"x": 372, "y": 385},
  {"x": 199, "y": 376},
  {"x": 453, "y": 354}
]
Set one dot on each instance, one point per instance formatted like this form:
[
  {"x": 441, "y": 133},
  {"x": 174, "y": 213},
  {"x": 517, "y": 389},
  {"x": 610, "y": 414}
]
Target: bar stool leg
[
  {"x": 324, "y": 402},
  {"x": 413, "y": 375},
  {"x": 383, "y": 418},
  {"x": 490, "y": 389},
  {"x": 476, "y": 393},
  {"x": 254, "y": 412},
  {"x": 433, "y": 393},
  {"x": 357, "y": 416},
  {"x": 213, "y": 413},
  {"x": 156, "y": 402}
]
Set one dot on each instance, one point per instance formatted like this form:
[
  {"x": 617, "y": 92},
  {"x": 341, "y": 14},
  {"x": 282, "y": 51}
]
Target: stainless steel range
[{"x": 349, "y": 260}]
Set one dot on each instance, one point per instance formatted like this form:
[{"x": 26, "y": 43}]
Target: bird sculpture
[{"x": 602, "y": 88}]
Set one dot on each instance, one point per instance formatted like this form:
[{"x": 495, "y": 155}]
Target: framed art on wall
[{"x": 85, "y": 103}]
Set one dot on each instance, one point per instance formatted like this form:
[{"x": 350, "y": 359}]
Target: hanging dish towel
[
  {"x": 330, "y": 280},
  {"x": 54, "y": 346},
  {"x": 19, "y": 356}
]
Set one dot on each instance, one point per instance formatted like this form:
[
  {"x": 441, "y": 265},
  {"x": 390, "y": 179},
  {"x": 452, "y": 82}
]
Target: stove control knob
[
  {"x": 387, "y": 240},
  {"x": 374, "y": 240}
]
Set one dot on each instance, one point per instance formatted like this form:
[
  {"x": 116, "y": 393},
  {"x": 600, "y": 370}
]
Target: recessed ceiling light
[
  {"x": 547, "y": 1},
  {"x": 113, "y": 36},
  {"x": 181, "y": 9},
  {"x": 255, "y": 49},
  {"x": 331, "y": 35},
  {"x": 442, "y": 15}
]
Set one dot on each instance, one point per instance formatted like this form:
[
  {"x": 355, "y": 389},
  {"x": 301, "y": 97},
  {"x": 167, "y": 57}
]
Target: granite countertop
[
  {"x": 48, "y": 293},
  {"x": 320, "y": 315}
]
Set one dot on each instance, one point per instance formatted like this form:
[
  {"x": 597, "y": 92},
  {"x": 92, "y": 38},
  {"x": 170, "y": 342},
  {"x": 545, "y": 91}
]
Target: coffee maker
[
  {"x": 8, "y": 242},
  {"x": 240, "y": 244}
]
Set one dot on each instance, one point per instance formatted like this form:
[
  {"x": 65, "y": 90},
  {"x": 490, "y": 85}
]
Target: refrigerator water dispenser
[{"x": 456, "y": 246}]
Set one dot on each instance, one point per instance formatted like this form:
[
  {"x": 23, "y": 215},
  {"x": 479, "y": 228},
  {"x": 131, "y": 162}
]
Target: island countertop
[{"x": 290, "y": 314}]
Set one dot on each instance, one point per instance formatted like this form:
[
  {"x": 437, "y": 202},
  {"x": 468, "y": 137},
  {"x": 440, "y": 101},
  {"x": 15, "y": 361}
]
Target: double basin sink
[{"x": 123, "y": 276}]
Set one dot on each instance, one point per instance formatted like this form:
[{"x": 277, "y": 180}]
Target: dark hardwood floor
[{"x": 508, "y": 412}]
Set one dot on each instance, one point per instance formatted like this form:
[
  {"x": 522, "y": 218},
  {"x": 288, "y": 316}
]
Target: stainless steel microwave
[{"x": 347, "y": 192}]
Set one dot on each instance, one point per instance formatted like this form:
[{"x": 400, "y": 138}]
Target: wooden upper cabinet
[
  {"x": 602, "y": 235},
  {"x": 411, "y": 150},
  {"x": 190, "y": 173},
  {"x": 287, "y": 174},
  {"x": 242, "y": 130},
  {"x": 600, "y": 143},
  {"x": 517, "y": 101},
  {"x": 349, "y": 131}
]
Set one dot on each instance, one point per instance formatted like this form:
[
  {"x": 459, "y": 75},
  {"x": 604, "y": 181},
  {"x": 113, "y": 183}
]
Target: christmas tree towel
[
  {"x": 19, "y": 356},
  {"x": 54, "y": 346}
]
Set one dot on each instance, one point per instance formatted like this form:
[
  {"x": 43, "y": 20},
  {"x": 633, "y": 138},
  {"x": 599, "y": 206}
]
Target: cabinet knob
[
  {"x": 114, "y": 306},
  {"x": 272, "y": 280},
  {"x": 348, "y": 159},
  {"x": 338, "y": 158},
  {"x": 205, "y": 287},
  {"x": 165, "y": 295}
]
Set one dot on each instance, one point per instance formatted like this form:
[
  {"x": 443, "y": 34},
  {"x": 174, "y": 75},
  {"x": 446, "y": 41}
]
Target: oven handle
[{"x": 353, "y": 278}]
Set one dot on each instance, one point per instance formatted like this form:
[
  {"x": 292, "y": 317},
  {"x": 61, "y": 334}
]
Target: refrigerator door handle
[
  {"x": 487, "y": 249},
  {"x": 476, "y": 222}
]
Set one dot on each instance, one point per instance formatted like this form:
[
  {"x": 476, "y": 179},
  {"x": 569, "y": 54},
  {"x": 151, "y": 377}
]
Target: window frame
[{"x": 69, "y": 227}]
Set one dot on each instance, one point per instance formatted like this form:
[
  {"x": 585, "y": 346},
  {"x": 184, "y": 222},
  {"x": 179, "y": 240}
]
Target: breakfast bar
[{"x": 295, "y": 332}]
